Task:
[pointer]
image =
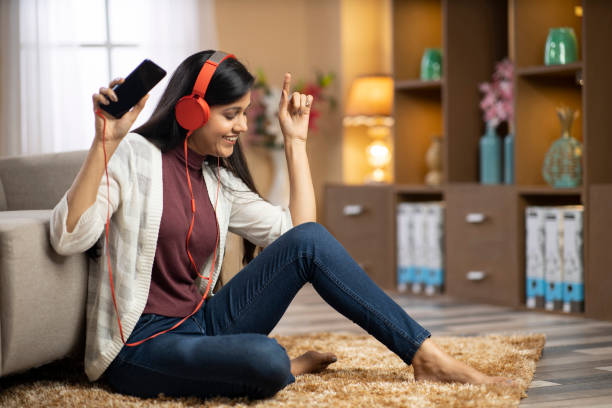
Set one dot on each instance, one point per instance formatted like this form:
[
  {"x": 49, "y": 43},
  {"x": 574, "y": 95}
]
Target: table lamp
[{"x": 370, "y": 104}]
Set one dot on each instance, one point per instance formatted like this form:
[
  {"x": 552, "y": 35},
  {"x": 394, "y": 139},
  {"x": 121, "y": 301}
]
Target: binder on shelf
[
  {"x": 434, "y": 279},
  {"x": 535, "y": 257},
  {"x": 420, "y": 247},
  {"x": 553, "y": 227},
  {"x": 573, "y": 267},
  {"x": 405, "y": 247}
]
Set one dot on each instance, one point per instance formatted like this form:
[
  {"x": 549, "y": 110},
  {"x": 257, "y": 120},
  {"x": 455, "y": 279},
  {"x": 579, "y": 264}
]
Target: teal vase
[
  {"x": 562, "y": 165},
  {"x": 490, "y": 157},
  {"x": 509, "y": 159}
]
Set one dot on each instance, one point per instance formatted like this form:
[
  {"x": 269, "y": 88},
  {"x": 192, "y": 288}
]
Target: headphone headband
[{"x": 207, "y": 71}]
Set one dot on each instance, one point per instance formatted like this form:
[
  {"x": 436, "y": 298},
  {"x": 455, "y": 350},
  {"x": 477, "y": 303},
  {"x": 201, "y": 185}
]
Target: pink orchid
[{"x": 498, "y": 95}]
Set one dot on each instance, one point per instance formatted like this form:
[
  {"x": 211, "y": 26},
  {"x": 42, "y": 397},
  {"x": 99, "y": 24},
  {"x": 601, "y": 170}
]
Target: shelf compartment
[
  {"x": 418, "y": 193},
  {"x": 475, "y": 38},
  {"x": 531, "y": 23},
  {"x": 418, "y": 117},
  {"x": 417, "y": 25},
  {"x": 537, "y": 123}
]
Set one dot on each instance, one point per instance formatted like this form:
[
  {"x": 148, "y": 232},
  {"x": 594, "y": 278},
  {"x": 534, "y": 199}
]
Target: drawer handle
[
  {"x": 351, "y": 210},
  {"x": 475, "y": 218},
  {"x": 476, "y": 275}
]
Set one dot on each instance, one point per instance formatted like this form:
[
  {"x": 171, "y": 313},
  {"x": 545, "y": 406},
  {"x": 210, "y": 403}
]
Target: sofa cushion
[
  {"x": 42, "y": 294},
  {"x": 39, "y": 181}
]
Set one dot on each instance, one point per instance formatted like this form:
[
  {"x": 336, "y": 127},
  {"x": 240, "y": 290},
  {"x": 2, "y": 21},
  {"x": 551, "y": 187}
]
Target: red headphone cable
[{"x": 110, "y": 273}]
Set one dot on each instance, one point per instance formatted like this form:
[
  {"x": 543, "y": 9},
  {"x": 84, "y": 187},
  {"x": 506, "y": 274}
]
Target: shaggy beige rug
[{"x": 366, "y": 374}]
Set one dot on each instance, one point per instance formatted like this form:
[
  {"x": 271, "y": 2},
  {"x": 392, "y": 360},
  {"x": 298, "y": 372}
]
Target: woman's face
[{"x": 225, "y": 124}]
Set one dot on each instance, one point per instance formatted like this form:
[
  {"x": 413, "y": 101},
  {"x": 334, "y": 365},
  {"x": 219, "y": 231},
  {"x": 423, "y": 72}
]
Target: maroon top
[{"x": 173, "y": 291}]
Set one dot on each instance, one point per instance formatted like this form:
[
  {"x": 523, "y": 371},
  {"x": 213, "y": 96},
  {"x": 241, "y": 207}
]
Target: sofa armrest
[{"x": 42, "y": 294}]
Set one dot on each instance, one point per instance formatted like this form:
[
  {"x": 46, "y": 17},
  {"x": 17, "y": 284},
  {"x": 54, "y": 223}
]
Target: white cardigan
[{"x": 136, "y": 201}]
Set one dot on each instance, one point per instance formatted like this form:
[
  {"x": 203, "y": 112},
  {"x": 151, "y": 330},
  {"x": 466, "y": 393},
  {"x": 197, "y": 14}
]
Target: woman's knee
[
  {"x": 309, "y": 233},
  {"x": 269, "y": 365}
]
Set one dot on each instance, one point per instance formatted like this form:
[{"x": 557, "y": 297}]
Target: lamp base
[{"x": 376, "y": 177}]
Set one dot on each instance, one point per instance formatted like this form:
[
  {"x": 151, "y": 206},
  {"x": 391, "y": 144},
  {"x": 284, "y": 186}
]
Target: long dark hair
[{"x": 230, "y": 82}]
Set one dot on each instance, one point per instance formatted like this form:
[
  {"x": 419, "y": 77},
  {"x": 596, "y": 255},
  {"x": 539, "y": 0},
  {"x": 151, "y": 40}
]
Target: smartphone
[{"x": 136, "y": 85}]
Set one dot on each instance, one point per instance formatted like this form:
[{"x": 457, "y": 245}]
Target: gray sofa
[{"x": 42, "y": 294}]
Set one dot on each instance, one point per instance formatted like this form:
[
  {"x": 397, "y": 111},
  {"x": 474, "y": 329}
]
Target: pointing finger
[
  {"x": 285, "y": 93},
  {"x": 286, "y": 82}
]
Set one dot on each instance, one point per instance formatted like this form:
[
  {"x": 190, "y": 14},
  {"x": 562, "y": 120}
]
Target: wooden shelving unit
[
  {"x": 543, "y": 71},
  {"x": 418, "y": 85},
  {"x": 474, "y": 35}
]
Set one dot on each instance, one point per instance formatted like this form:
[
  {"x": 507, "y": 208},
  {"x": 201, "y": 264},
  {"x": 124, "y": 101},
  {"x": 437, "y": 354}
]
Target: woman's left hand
[{"x": 294, "y": 113}]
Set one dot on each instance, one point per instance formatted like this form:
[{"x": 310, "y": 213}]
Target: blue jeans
[{"x": 224, "y": 350}]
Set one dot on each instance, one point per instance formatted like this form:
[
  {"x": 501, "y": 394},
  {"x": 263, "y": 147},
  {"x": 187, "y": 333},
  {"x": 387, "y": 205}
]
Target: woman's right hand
[{"x": 116, "y": 129}]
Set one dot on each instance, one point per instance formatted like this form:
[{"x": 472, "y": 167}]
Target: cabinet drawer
[
  {"x": 361, "y": 218},
  {"x": 481, "y": 244}
]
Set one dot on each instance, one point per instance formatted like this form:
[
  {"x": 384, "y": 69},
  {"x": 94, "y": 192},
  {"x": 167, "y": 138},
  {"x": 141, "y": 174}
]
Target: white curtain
[{"x": 61, "y": 62}]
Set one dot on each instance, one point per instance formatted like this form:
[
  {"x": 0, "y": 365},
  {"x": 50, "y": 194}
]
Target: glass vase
[
  {"x": 562, "y": 165},
  {"x": 509, "y": 159},
  {"x": 490, "y": 157}
]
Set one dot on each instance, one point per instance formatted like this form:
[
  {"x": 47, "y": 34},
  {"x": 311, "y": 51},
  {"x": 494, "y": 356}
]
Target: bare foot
[
  {"x": 311, "y": 362},
  {"x": 430, "y": 363}
]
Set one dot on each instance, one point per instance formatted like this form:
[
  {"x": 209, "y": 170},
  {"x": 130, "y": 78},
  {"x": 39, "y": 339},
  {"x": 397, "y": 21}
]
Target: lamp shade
[{"x": 370, "y": 96}]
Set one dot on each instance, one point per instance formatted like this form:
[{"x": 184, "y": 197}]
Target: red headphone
[{"x": 192, "y": 111}]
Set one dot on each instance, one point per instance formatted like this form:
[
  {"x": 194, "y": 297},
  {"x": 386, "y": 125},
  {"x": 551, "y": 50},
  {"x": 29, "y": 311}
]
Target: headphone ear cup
[{"x": 192, "y": 112}]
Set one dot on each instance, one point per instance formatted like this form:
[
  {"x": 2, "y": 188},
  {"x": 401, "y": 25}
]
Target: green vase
[
  {"x": 562, "y": 165},
  {"x": 561, "y": 46},
  {"x": 431, "y": 64}
]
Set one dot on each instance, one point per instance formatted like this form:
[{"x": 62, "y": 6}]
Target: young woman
[{"x": 222, "y": 347}]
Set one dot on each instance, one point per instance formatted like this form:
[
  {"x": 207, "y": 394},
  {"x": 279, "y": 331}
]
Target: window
[{"x": 70, "y": 48}]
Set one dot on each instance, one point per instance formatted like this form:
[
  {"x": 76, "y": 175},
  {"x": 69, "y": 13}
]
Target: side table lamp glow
[{"x": 370, "y": 104}]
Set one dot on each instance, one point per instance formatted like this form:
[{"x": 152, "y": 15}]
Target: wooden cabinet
[
  {"x": 598, "y": 276},
  {"x": 481, "y": 246},
  {"x": 486, "y": 261},
  {"x": 361, "y": 219}
]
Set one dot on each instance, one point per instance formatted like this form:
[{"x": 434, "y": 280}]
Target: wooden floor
[{"x": 576, "y": 367}]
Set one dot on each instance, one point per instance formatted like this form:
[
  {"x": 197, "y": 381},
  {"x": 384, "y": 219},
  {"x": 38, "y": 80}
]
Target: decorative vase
[
  {"x": 279, "y": 189},
  {"x": 561, "y": 46},
  {"x": 490, "y": 157},
  {"x": 562, "y": 165},
  {"x": 431, "y": 64},
  {"x": 509, "y": 158},
  {"x": 433, "y": 159}
]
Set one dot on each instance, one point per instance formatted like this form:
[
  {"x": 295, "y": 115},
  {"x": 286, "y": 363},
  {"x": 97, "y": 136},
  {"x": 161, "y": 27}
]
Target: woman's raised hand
[
  {"x": 294, "y": 113},
  {"x": 116, "y": 129}
]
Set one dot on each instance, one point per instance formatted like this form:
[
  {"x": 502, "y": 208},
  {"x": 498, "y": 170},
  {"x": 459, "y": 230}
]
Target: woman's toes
[
  {"x": 320, "y": 361},
  {"x": 312, "y": 362}
]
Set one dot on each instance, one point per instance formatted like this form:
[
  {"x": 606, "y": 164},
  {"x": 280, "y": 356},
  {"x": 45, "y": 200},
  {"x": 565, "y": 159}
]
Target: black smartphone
[{"x": 136, "y": 85}]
